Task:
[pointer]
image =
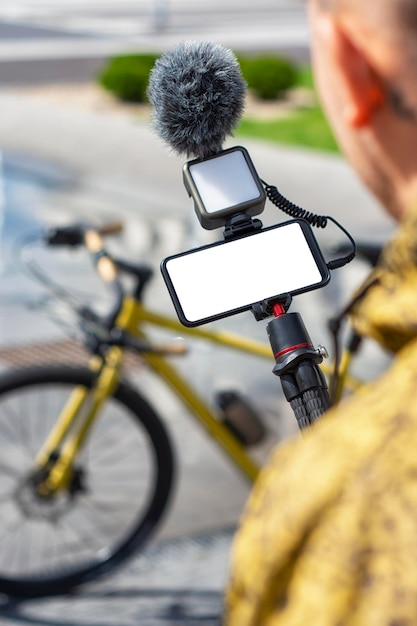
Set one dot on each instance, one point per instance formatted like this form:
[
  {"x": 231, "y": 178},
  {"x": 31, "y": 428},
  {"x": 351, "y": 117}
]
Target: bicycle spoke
[
  {"x": 75, "y": 534},
  {"x": 106, "y": 507},
  {"x": 110, "y": 452},
  {"x": 15, "y": 548},
  {"x": 9, "y": 471},
  {"x": 7, "y": 542},
  {"x": 23, "y": 427},
  {"x": 4, "y": 497},
  {"x": 70, "y": 546},
  {"x": 110, "y": 481},
  {"x": 8, "y": 425},
  {"x": 6, "y": 532},
  {"x": 79, "y": 539},
  {"x": 16, "y": 427}
]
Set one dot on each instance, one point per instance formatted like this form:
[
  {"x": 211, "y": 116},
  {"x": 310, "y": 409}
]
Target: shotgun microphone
[{"x": 197, "y": 92}]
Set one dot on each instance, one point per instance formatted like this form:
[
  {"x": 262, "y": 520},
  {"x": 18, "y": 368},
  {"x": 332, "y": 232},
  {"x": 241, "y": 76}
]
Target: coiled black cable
[
  {"x": 319, "y": 221},
  {"x": 291, "y": 209}
]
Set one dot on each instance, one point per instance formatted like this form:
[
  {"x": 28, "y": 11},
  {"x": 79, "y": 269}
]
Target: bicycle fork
[{"x": 54, "y": 464}]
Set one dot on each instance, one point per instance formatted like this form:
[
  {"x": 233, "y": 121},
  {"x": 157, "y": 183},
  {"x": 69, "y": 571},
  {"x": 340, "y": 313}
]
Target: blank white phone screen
[{"x": 239, "y": 273}]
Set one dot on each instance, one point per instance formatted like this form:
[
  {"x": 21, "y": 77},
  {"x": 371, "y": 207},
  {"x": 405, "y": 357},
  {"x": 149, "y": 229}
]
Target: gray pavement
[
  {"x": 173, "y": 582},
  {"x": 108, "y": 166},
  {"x": 50, "y": 41},
  {"x": 68, "y": 29}
]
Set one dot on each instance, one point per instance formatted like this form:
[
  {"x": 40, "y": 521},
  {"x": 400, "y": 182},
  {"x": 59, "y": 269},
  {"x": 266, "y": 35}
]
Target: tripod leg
[
  {"x": 316, "y": 401},
  {"x": 295, "y": 398},
  {"x": 306, "y": 390},
  {"x": 300, "y": 412},
  {"x": 313, "y": 387}
]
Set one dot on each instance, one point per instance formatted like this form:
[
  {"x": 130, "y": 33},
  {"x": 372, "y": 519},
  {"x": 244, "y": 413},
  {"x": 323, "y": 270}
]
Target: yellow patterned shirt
[{"x": 329, "y": 534}]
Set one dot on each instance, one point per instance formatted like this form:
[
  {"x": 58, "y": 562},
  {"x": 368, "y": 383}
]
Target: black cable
[
  {"x": 336, "y": 263},
  {"x": 319, "y": 221},
  {"x": 291, "y": 209}
]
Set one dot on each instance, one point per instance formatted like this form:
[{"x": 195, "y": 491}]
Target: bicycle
[{"x": 54, "y": 490}]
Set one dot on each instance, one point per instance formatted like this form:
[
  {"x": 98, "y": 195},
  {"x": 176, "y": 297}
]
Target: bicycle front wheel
[{"x": 120, "y": 487}]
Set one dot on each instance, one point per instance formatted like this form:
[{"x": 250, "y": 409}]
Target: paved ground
[
  {"x": 49, "y": 41},
  {"x": 105, "y": 166},
  {"x": 172, "y": 583}
]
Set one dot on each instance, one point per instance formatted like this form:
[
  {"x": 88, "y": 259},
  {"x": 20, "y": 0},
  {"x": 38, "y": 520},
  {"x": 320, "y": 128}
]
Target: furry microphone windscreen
[{"x": 198, "y": 95}]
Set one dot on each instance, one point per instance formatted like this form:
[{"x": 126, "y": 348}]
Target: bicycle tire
[{"x": 83, "y": 555}]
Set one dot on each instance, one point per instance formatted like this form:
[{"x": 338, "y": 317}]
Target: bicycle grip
[
  {"x": 74, "y": 235},
  {"x": 93, "y": 241},
  {"x": 105, "y": 266},
  {"x": 111, "y": 228},
  {"x": 107, "y": 269}
]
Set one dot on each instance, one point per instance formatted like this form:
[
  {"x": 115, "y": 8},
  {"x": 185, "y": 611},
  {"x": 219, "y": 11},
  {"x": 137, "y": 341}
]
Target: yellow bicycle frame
[
  {"x": 74, "y": 422},
  {"x": 83, "y": 406},
  {"x": 132, "y": 317}
]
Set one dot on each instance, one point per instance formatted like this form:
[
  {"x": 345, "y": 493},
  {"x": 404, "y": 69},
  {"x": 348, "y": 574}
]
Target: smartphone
[{"x": 228, "y": 277}]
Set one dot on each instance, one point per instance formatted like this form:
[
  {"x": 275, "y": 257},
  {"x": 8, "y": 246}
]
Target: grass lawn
[{"x": 305, "y": 127}]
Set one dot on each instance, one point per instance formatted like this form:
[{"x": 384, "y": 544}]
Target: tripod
[{"x": 296, "y": 360}]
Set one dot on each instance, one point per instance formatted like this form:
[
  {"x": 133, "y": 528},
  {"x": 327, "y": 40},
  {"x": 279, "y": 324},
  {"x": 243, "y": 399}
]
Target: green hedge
[
  {"x": 268, "y": 77},
  {"x": 127, "y": 76}
]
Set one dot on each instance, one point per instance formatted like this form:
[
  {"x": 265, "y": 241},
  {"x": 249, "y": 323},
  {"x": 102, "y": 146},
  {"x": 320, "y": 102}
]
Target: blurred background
[{"x": 76, "y": 144}]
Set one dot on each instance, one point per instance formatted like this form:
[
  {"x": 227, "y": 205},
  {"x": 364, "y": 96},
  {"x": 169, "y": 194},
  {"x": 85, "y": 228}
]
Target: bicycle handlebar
[
  {"x": 108, "y": 268},
  {"x": 74, "y": 234},
  {"x": 79, "y": 234}
]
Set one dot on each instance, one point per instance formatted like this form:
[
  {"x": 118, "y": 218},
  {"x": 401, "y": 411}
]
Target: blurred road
[{"x": 61, "y": 41}]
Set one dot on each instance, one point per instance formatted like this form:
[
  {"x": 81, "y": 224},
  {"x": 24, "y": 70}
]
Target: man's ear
[{"x": 363, "y": 91}]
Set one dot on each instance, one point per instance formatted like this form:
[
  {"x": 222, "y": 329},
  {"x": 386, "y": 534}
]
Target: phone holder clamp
[
  {"x": 263, "y": 310},
  {"x": 240, "y": 224}
]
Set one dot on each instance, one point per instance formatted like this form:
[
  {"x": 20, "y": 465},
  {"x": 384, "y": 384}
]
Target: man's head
[{"x": 365, "y": 62}]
